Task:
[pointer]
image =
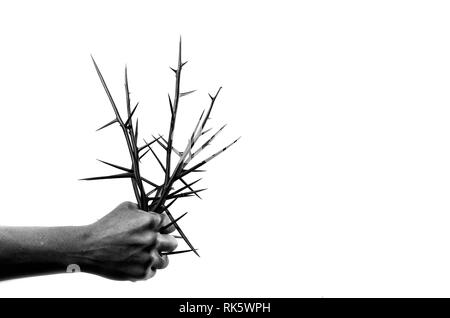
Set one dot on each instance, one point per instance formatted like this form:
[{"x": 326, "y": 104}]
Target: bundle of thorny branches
[{"x": 160, "y": 197}]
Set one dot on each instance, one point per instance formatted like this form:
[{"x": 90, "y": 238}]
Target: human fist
[{"x": 127, "y": 244}]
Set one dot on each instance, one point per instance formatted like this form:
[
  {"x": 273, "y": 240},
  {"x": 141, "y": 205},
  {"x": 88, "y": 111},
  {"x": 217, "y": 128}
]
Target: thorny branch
[{"x": 165, "y": 191}]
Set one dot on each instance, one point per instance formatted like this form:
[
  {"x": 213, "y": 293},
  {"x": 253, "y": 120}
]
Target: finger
[
  {"x": 156, "y": 221},
  {"x": 159, "y": 262},
  {"x": 169, "y": 224},
  {"x": 150, "y": 273},
  {"x": 165, "y": 229},
  {"x": 165, "y": 261},
  {"x": 166, "y": 243}
]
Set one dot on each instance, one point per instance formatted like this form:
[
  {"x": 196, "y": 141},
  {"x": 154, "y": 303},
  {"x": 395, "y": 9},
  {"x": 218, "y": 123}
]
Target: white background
[{"x": 339, "y": 186}]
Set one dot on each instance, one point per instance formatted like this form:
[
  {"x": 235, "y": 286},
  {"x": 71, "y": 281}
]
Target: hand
[{"x": 127, "y": 243}]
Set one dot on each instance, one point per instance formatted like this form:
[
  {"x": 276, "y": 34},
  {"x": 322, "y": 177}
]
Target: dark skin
[{"x": 126, "y": 244}]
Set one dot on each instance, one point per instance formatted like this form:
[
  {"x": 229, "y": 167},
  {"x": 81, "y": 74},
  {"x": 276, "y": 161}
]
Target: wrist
[{"x": 76, "y": 255}]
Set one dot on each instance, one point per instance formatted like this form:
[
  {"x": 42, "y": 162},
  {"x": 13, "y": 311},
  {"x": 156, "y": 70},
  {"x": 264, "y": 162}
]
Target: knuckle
[
  {"x": 155, "y": 219},
  {"x": 142, "y": 221},
  {"x": 146, "y": 219},
  {"x": 165, "y": 261},
  {"x": 146, "y": 239},
  {"x": 151, "y": 238},
  {"x": 165, "y": 219},
  {"x": 127, "y": 204},
  {"x": 154, "y": 256}
]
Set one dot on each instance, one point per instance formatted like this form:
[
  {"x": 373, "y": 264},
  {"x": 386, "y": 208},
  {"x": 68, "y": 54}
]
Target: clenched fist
[{"x": 127, "y": 244}]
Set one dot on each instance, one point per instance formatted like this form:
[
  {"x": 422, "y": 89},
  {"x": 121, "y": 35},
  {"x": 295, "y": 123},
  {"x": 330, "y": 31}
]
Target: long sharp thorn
[
  {"x": 105, "y": 87},
  {"x": 108, "y": 124},
  {"x": 180, "y": 231},
  {"x": 131, "y": 115},
  {"x": 190, "y": 193},
  {"x": 116, "y": 166},
  {"x": 142, "y": 156},
  {"x": 187, "y": 93},
  {"x": 179, "y": 55},
  {"x": 154, "y": 198},
  {"x": 180, "y": 252},
  {"x": 115, "y": 176},
  {"x": 157, "y": 158},
  {"x": 150, "y": 192},
  {"x": 181, "y": 196},
  {"x": 206, "y": 131},
  {"x": 172, "y": 223},
  {"x": 171, "y": 202},
  {"x": 149, "y": 182},
  {"x": 136, "y": 129},
  {"x": 127, "y": 92},
  {"x": 186, "y": 171}
]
